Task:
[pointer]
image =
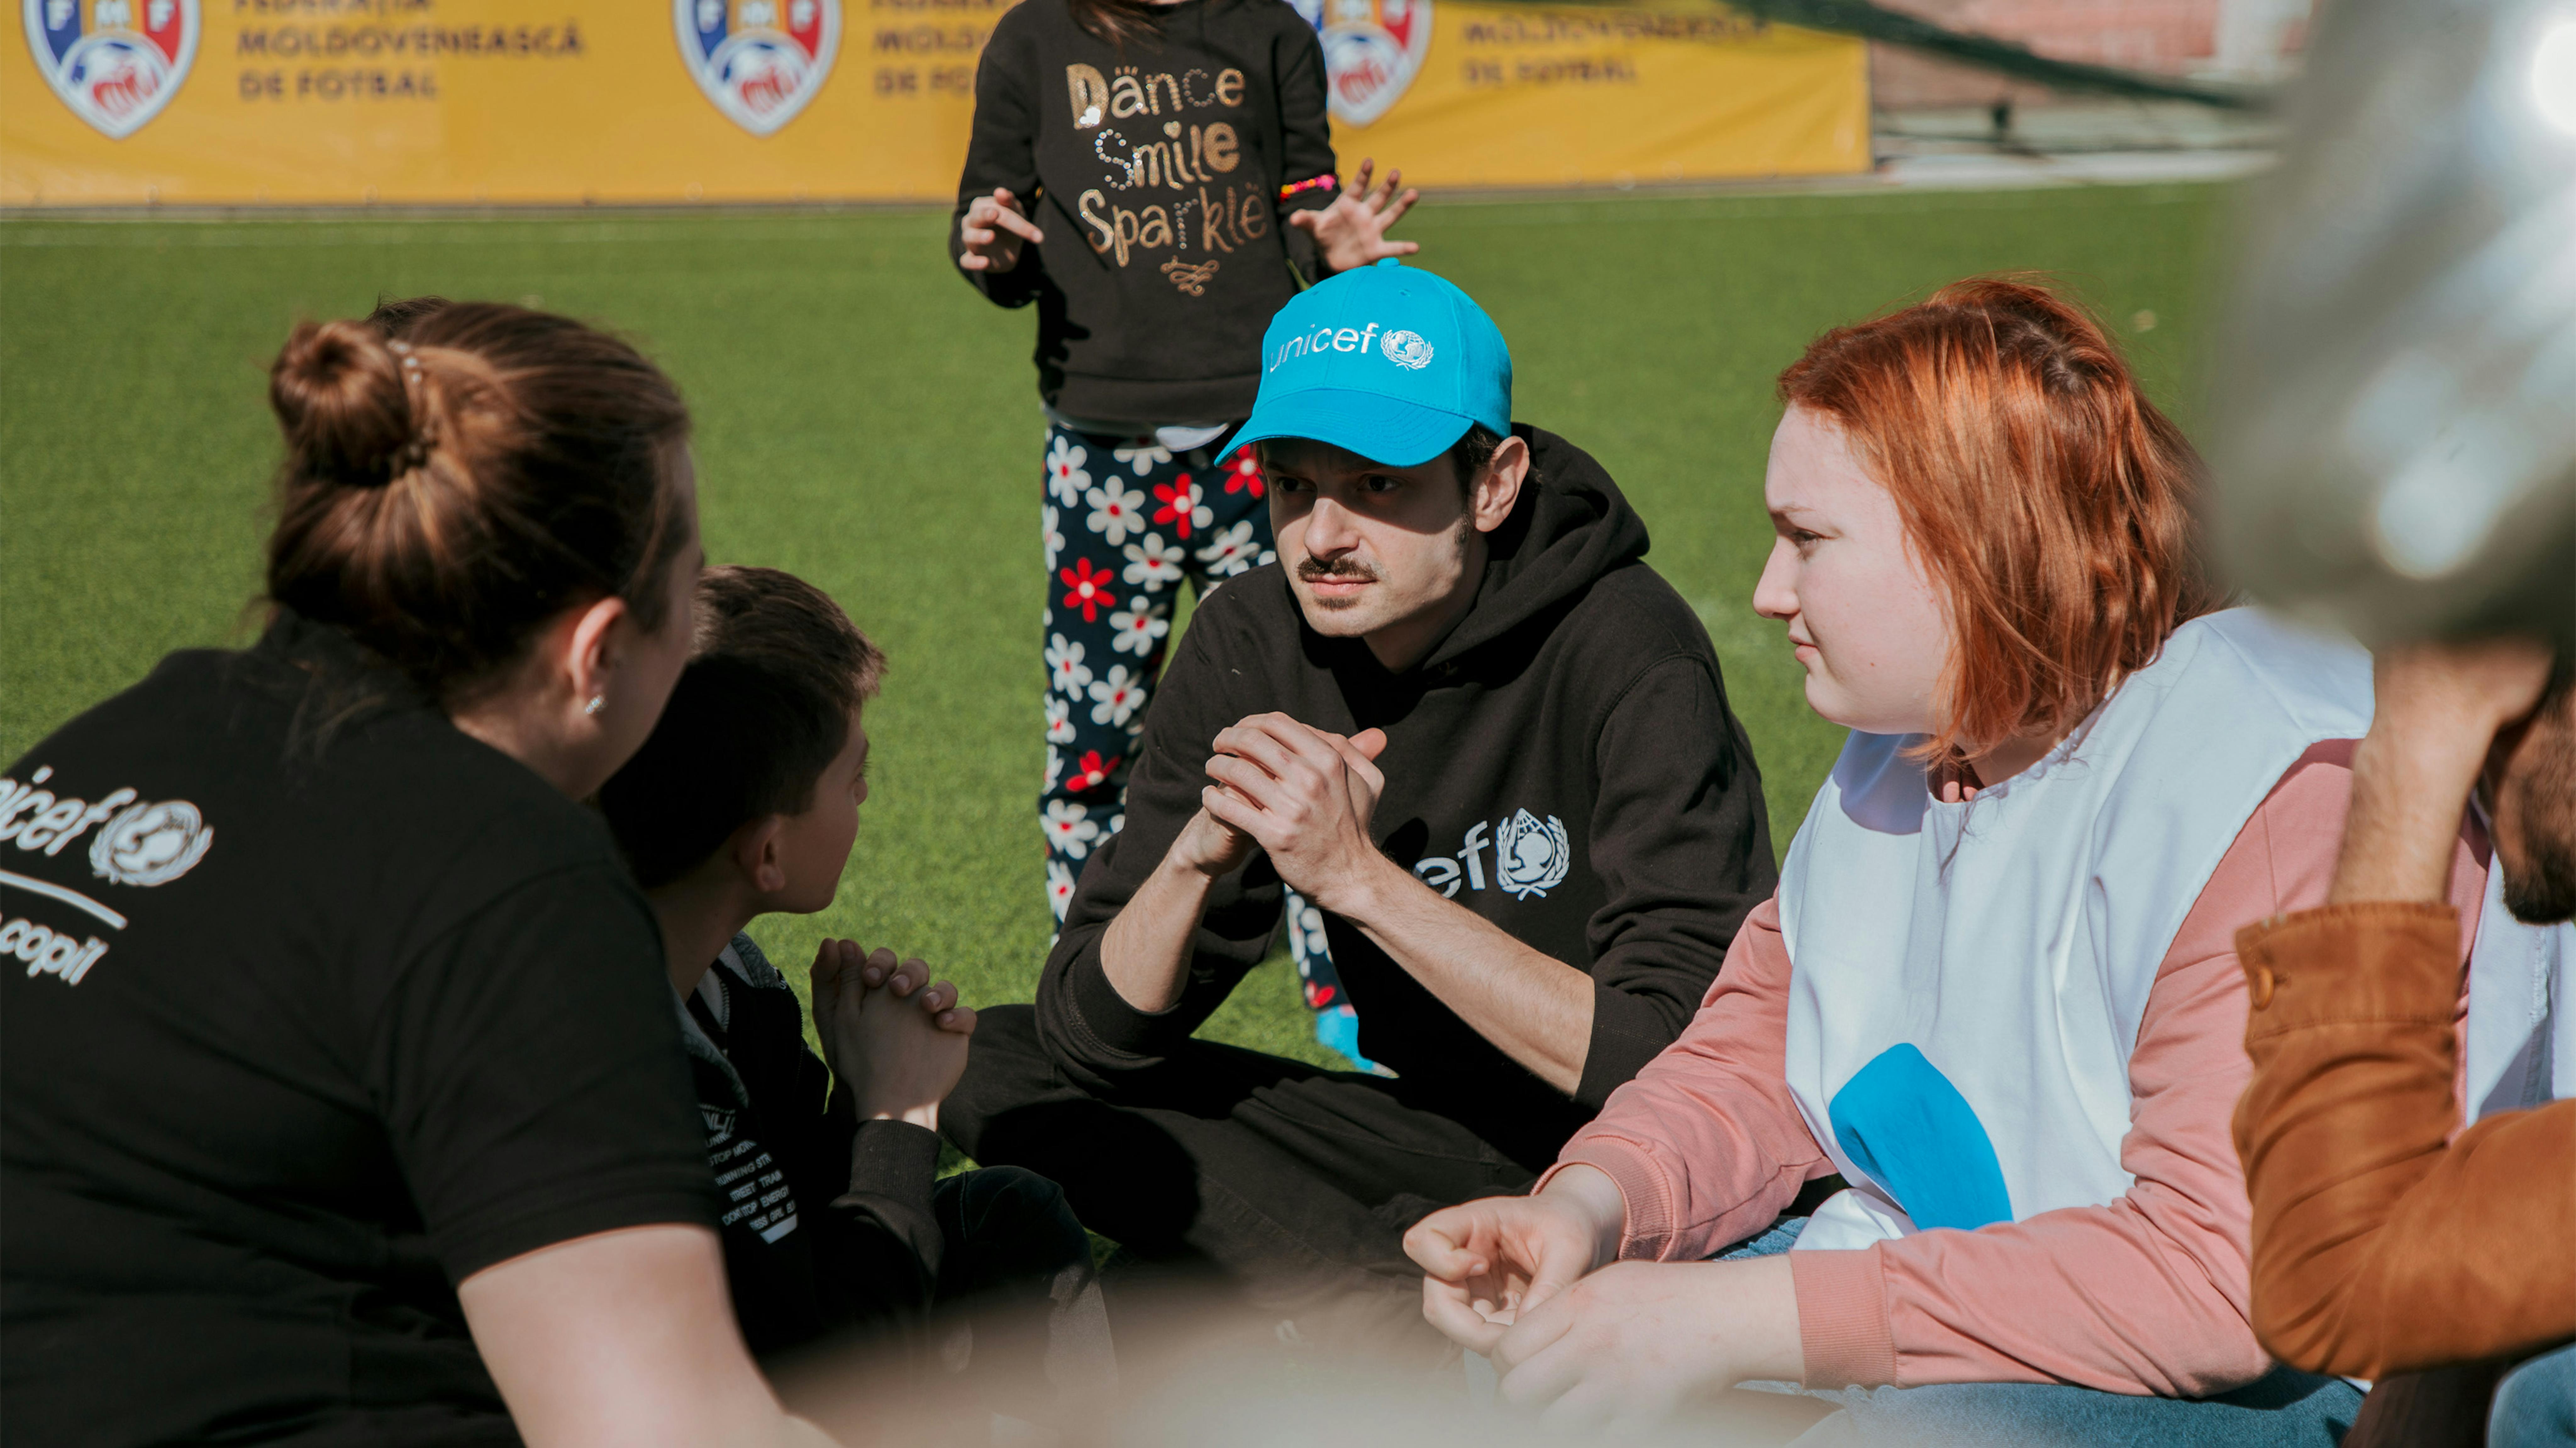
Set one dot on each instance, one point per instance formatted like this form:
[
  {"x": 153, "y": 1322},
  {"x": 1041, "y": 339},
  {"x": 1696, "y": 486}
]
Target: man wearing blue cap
[{"x": 1462, "y": 717}]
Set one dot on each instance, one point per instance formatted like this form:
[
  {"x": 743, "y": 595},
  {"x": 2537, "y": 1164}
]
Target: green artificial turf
[{"x": 865, "y": 420}]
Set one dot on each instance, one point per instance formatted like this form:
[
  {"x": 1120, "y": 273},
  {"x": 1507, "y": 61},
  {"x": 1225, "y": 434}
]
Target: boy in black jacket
[
  {"x": 1462, "y": 717},
  {"x": 744, "y": 801}
]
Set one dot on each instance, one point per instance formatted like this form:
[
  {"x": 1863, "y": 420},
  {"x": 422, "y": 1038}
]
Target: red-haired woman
[{"x": 1996, "y": 994}]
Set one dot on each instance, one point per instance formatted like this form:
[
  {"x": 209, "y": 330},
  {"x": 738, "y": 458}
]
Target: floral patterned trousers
[{"x": 1126, "y": 522}]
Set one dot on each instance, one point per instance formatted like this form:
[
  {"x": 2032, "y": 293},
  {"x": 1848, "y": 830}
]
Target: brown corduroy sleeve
[{"x": 2379, "y": 1248}]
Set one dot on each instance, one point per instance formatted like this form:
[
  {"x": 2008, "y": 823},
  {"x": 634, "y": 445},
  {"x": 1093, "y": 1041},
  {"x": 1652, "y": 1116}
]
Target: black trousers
[
  {"x": 1017, "y": 1273},
  {"x": 1294, "y": 1185}
]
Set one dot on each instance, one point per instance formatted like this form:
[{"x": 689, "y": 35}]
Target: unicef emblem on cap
[
  {"x": 1406, "y": 350},
  {"x": 760, "y": 61},
  {"x": 116, "y": 63},
  {"x": 151, "y": 844}
]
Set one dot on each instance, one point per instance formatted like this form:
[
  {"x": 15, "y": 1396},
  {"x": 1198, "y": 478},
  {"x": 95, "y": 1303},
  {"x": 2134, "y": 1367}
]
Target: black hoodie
[
  {"x": 1563, "y": 763},
  {"x": 1155, "y": 171}
]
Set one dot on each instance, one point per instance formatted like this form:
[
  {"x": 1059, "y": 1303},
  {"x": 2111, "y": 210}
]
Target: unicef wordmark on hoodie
[{"x": 1562, "y": 762}]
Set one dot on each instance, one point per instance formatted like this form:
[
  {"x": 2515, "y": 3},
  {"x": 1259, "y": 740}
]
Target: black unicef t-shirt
[{"x": 319, "y": 1006}]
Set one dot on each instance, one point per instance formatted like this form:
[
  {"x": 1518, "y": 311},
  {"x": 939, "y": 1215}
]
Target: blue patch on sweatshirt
[{"x": 1899, "y": 1119}]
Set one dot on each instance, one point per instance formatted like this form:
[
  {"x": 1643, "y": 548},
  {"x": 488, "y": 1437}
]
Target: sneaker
[{"x": 1338, "y": 1027}]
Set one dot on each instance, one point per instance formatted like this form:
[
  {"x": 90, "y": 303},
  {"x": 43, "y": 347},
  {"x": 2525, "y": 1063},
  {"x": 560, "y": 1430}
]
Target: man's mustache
[{"x": 1315, "y": 569}]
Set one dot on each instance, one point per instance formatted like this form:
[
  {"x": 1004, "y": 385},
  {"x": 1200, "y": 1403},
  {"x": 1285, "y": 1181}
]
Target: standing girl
[{"x": 1178, "y": 156}]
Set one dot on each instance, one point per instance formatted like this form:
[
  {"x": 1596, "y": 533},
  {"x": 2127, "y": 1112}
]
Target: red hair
[{"x": 2039, "y": 486}]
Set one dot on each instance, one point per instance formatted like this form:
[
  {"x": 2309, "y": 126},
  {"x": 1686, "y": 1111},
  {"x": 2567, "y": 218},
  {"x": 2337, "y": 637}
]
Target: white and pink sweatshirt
[{"x": 2129, "y": 1274}]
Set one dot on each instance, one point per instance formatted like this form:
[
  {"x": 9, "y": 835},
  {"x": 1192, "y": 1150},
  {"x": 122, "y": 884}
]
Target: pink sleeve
[
  {"x": 2147, "y": 1294},
  {"x": 1706, "y": 1144}
]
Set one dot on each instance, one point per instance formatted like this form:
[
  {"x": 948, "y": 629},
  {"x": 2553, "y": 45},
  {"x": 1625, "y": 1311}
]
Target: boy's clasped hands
[{"x": 894, "y": 1039}]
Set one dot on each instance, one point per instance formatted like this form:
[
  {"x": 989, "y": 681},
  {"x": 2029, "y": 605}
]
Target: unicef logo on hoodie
[{"x": 1530, "y": 855}]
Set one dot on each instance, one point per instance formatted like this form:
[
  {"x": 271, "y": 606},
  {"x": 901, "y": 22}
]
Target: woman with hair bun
[
  {"x": 343, "y": 1100},
  {"x": 1977, "y": 1057}
]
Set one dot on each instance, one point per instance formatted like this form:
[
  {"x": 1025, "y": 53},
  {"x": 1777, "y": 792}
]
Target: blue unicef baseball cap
[{"x": 1387, "y": 361}]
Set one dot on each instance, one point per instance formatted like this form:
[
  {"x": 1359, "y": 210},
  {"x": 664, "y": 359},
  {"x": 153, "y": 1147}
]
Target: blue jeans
[
  {"x": 2535, "y": 1405},
  {"x": 2286, "y": 1409}
]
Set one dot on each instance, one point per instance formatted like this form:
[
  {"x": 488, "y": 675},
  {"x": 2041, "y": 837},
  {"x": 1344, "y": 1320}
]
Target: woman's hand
[
  {"x": 897, "y": 1042},
  {"x": 1489, "y": 1263},
  {"x": 1634, "y": 1341},
  {"x": 994, "y": 228},
  {"x": 1352, "y": 231}
]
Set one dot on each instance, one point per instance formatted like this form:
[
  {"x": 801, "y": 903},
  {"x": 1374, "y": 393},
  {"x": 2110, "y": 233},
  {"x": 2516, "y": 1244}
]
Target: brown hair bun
[
  {"x": 459, "y": 473},
  {"x": 339, "y": 393}
]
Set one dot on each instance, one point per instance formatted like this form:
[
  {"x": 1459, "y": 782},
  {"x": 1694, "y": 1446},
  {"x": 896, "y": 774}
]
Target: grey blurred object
[{"x": 2395, "y": 393}]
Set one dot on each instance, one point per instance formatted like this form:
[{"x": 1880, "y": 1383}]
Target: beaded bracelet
[{"x": 1325, "y": 182}]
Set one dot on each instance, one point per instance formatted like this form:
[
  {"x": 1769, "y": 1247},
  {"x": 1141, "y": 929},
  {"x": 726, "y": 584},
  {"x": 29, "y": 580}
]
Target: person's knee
[
  {"x": 1015, "y": 1215},
  {"x": 1006, "y": 1068},
  {"x": 2535, "y": 1405},
  {"x": 1012, "y": 1028}
]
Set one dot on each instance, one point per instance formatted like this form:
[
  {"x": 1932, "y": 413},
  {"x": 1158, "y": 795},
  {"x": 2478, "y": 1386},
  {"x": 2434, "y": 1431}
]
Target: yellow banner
[
  {"x": 1518, "y": 95},
  {"x": 335, "y": 102}
]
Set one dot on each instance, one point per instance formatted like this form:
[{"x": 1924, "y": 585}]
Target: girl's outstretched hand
[
  {"x": 994, "y": 228},
  {"x": 1352, "y": 231}
]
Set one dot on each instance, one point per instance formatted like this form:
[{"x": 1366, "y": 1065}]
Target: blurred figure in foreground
[
  {"x": 2394, "y": 449},
  {"x": 2397, "y": 455}
]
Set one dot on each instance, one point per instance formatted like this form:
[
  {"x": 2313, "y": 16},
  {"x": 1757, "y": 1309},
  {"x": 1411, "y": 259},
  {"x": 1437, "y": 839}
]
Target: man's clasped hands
[{"x": 1532, "y": 1282}]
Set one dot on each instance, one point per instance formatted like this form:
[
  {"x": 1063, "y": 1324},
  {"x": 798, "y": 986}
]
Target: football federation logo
[
  {"x": 760, "y": 61},
  {"x": 1406, "y": 350},
  {"x": 1372, "y": 51},
  {"x": 116, "y": 63}
]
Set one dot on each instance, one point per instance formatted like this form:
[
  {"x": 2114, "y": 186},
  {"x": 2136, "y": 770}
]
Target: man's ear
[
  {"x": 1498, "y": 487},
  {"x": 757, "y": 855}
]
